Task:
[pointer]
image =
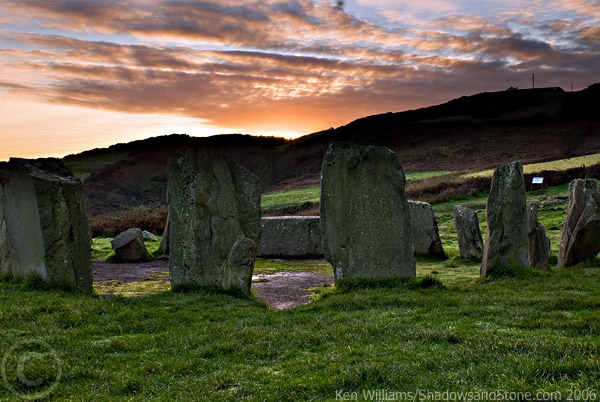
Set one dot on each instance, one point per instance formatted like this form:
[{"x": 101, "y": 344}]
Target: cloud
[{"x": 260, "y": 65}]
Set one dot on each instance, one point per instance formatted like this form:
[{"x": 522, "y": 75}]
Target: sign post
[{"x": 537, "y": 180}]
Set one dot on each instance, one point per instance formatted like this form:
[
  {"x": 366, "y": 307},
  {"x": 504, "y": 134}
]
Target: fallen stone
[
  {"x": 290, "y": 236},
  {"x": 581, "y": 232},
  {"x": 539, "y": 244},
  {"x": 424, "y": 229},
  {"x": 506, "y": 242},
  {"x": 468, "y": 233},
  {"x": 214, "y": 220},
  {"x": 43, "y": 226},
  {"x": 164, "y": 241},
  {"x": 149, "y": 235},
  {"x": 129, "y": 245},
  {"x": 364, "y": 213}
]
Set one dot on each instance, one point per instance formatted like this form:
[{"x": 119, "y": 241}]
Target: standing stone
[
  {"x": 46, "y": 230},
  {"x": 506, "y": 243},
  {"x": 365, "y": 220},
  {"x": 214, "y": 220},
  {"x": 164, "y": 242},
  {"x": 539, "y": 244},
  {"x": 468, "y": 233},
  {"x": 290, "y": 236},
  {"x": 4, "y": 252},
  {"x": 581, "y": 232},
  {"x": 129, "y": 245},
  {"x": 424, "y": 229}
]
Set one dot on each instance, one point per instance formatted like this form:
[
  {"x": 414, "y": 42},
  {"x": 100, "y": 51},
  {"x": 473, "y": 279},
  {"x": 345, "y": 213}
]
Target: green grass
[
  {"x": 285, "y": 198},
  {"x": 561, "y": 164},
  {"x": 539, "y": 332},
  {"x": 83, "y": 166},
  {"x": 426, "y": 174},
  {"x": 280, "y": 199},
  {"x": 446, "y": 330},
  {"x": 102, "y": 250}
]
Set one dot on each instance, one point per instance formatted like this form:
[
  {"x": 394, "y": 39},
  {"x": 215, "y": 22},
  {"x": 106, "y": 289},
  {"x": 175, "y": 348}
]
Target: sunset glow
[{"x": 79, "y": 74}]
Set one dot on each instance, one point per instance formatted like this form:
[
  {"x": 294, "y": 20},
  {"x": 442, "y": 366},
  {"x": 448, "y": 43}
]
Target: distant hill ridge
[{"x": 468, "y": 133}]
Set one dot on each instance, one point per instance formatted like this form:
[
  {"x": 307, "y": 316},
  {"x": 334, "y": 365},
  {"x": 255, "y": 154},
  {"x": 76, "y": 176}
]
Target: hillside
[{"x": 469, "y": 133}]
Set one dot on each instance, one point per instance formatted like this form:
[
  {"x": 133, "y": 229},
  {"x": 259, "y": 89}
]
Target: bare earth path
[{"x": 279, "y": 291}]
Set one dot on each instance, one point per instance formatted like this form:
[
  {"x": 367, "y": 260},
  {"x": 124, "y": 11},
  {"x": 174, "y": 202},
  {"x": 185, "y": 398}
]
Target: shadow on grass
[
  {"x": 34, "y": 282},
  {"x": 349, "y": 284}
]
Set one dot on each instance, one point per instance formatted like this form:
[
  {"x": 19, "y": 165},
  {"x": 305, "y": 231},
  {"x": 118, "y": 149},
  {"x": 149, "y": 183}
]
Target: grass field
[
  {"x": 447, "y": 330},
  {"x": 561, "y": 164},
  {"x": 284, "y": 198},
  {"x": 84, "y": 165}
]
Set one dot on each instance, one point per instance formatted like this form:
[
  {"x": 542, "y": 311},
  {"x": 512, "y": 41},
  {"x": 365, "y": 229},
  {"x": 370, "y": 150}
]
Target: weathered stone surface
[
  {"x": 581, "y": 232},
  {"x": 539, "y": 243},
  {"x": 149, "y": 235},
  {"x": 129, "y": 245},
  {"x": 364, "y": 213},
  {"x": 164, "y": 241},
  {"x": 424, "y": 230},
  {"x": 468, "y": 232},
  {"x": 506, "y": 243},
  {"x": 290, "y": 236},
  {"x": 214, "y": 220},
  {"x": 4, "y": 252},
  {"x": 45, "y": 230}
]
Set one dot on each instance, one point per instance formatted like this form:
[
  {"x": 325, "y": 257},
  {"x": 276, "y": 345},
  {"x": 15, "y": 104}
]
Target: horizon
[{"x": 77, "y": 75}]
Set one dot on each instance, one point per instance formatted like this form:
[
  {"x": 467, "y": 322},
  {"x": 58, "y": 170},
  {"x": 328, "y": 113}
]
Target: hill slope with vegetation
[{"x": 466, "y": 134}]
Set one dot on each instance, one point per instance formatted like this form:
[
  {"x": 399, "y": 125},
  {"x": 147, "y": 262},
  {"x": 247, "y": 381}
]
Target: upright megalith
[
  {"x": 581, "y": 232},
  {"x": 214, "y": 220},
  {"x": 506, "y": 243},
  {"x": 468, "y": 233},
  {"x": 4, "y": 252},
  {"x": 164, "y": 241},
  {"x": 365, "y": 220},
  {"x": 539, "y": 244},
  {"x": 45, "y": 230},
  {"x": 290, "y": 236},
  {"x": 424, "y": 229}
]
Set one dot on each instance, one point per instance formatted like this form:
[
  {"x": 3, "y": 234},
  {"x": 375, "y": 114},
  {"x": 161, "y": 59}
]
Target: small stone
[
  {"x": 129, "y": 245},
  {"x": 581, "y": 232},
  {"x": 468, "y": 233},
  {"x": 424, "y": 229},
  {"x": 149, "y": 235},
  {"x": 539, "y": 244}
]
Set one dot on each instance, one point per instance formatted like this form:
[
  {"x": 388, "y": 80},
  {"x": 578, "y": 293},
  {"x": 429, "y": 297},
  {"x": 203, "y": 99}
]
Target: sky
[{"x": 80, "y": 74}]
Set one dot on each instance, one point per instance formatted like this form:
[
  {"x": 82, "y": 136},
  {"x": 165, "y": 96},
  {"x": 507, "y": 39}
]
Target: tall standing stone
[
  {"x": 214, "y": 220},
  {"x": 468, "y": 233},
  {"x": 539, "y": 244},
  {"x": 164, "y": 241},
  {"x": 46, "y": 230},
  {"x": 506, "y": 242},
  {"x": 4, "y": 252},
  {"x": 365, "y": 220},
  {"x": 581, "y": 232},
  {"x": 424, "y": 230}
]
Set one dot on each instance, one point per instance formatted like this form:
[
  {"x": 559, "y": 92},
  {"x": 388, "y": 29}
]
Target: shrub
[{"x": 150, "y": 219}]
